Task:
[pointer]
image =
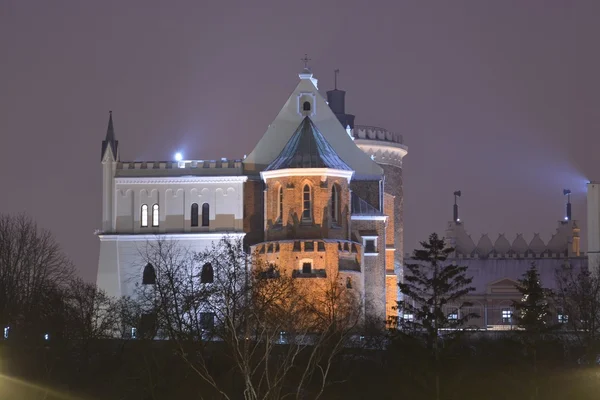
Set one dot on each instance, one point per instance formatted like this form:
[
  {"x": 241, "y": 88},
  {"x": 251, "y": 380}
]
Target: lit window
[
  {"x": 280, "y": 204},
  {"x": 563, "y": 318},
  {"x": 144, "y": 215},
  {"x": 207, "y": 274},
  {"x": 194, "y": 214},
  {"x": 6, "y": 330},
  {"x": 335, "y": 204},
  {"x": 205, "y": 214},
  {"x": 306, "y": 267},
  {"x": 149, "y": 275},
  {"x": 46, "y": 336},
  {"x": 506, "y": 315},
  {"x": 133, "y": 333},
  {"x": 453, "y": 315},
  {"x": 155, "y": 215},
  {"x": 408, "y": 317},
  {"x": 307, "y": 206}
]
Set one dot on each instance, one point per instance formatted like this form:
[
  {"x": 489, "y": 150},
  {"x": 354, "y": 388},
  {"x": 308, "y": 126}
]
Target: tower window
[
  {"x": 335, "y": 204},
  {"x": 306, "y": 106},
  {"x": 207, "y": 274},
  {"x": 306, "y": 267},
  {"x": 280, "y": 204},
  {"x": 149, "y": 275},
  {"x": 155, "y": 215},
  {"x": 370, "y": 246},
  {"x": 348, "y": 283},
  {"x": 144, "y": 215},
  {"x": 194, "y": 214},
  {"x": 307, "y": 204},
  {"x": 205, "y": 214}
]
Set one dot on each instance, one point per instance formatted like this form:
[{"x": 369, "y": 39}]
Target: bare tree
[
  {"x": 578, "y": 297},
  {"x": 32, "y": 268},
  {"x": 247, "y": 329}
]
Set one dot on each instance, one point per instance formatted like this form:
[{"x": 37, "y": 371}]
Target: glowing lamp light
[
  {"x": 178, "y": 157},
  {"x": 566, "y": 218},
  {"x": 457, "y": 219}
]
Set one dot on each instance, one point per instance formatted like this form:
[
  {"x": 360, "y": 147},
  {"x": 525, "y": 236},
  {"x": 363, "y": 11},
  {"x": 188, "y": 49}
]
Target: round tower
[{"x": 388, "y": 150}]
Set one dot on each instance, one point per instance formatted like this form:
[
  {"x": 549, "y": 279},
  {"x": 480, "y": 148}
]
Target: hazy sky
[{"x": 497, "y": 98}]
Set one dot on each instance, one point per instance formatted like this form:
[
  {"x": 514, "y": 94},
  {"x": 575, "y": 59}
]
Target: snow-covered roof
[{"x": 289, "y": 118}]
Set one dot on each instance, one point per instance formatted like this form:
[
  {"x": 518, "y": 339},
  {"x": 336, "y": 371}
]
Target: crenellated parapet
[
  {"x": 178, "y": 168},
  {"x": 382, "y": 145},
  {"x": 563, "y": 243}
]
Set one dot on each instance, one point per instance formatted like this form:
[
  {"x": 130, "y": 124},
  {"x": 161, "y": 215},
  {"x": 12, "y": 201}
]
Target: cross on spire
[{"x": 306, "y": 60}]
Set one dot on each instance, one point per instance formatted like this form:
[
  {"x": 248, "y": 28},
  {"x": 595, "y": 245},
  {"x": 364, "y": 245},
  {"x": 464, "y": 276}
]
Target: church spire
[{"x": 110, "y": 141}]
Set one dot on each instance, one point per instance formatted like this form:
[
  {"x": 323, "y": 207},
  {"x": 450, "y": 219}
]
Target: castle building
[
  {"x": 496, "y": 266},
  {"x": 318, "y": 196}
]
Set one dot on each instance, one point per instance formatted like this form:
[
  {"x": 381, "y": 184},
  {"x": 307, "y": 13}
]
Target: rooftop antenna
[
  {"x": 567, "y": 192},
  {"x": 335, "y": 75},
  {"x": 457, "y": 194}
]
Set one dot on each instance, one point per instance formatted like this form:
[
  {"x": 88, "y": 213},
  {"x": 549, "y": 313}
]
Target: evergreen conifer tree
[{"x": 533, "y": 310}]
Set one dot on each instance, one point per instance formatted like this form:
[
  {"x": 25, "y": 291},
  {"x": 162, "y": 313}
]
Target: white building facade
[{"x": 192, "y": 202}]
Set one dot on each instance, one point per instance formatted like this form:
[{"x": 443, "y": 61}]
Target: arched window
[
  {"x": 335, "y": 204},
  {"x": 149, "y": 275},
  {"x": 205, "y": 214},
  {"x": 306, "y": 204},
  {"x": 194, "y": 215},
  {"x": 144, "y": 215},
  {"x": 280, "y": 204},
  {"x": 306, "y": 106},
  {"x": 155, "y": 215},
  {"x": 348, "y": 282},
  {"x": 207, "y": 274}
]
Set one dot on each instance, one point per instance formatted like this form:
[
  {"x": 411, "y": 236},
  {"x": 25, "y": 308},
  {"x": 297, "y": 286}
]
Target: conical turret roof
[{"x": 307, "y": 148}]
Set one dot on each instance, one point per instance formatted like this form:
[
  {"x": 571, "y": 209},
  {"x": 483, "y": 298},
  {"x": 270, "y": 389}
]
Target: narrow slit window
[
  {"x": 194, "y": 214},
  {"x": 144, "y": 215},
  {"x": 280, "y": 204},
  {"x": 155, "y": 215},
  {"x": 307, "y": 204},
  {"x": 335, "y": 204},
  {"x": 205, "y": 214}
]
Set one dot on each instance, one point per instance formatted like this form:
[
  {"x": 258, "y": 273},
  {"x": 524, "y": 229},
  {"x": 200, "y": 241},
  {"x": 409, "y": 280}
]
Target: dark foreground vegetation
[{"x": 62, "y": 339}]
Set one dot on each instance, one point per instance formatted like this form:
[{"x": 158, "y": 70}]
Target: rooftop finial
[
  {"x": 457, "y": 194},
  {"x": 110, "y": 140},
  {"x": 567, "y": 192},
  {"x": 335, "y": 75},
  {"x": 306, "y": 60}
]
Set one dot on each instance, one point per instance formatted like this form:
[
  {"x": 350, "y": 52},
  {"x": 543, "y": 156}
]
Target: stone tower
[{"x": 386, "y": 149}]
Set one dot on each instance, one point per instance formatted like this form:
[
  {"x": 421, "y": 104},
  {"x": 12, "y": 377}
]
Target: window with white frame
[
  {"x": 144, "y": 216},
  {"x": 370, "y": 245},
  {"x": 408, "y": 317},
  {"x": 155, "y": 215},
  {"x": 506, "y": 315},
  {"x": 453, "y": 316}
]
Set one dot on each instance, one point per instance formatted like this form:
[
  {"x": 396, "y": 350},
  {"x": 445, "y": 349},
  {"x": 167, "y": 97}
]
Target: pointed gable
[
  {"x": 290, "y": 117},
  {"x": 307, "y": 148},
  {"x": 109, "y": 140}
]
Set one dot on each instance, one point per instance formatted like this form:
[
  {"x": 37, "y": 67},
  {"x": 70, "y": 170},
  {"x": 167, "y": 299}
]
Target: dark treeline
[{"x": 265, "y": 340}]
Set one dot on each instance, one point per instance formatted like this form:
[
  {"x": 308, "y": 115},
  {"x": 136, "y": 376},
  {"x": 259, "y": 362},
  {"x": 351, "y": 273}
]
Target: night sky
[{"x": 499, "y": 99}]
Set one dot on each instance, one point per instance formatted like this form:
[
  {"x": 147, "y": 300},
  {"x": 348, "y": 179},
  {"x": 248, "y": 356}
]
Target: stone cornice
[
  {"x": 383, "y": 152},
  {"x": 282, "y": 173},
  {"x": 117, "y": 237},
  {"x": 169, "y": 180}
]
